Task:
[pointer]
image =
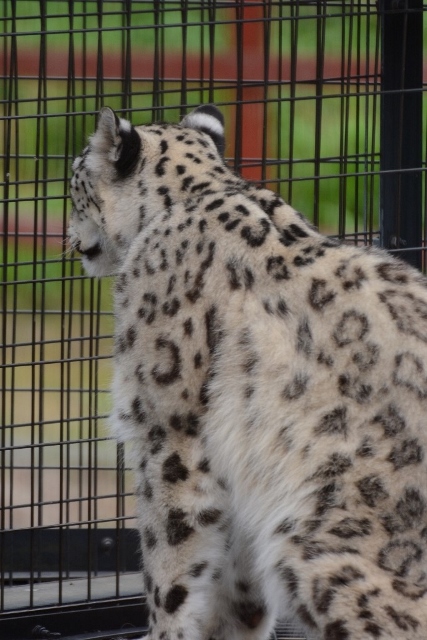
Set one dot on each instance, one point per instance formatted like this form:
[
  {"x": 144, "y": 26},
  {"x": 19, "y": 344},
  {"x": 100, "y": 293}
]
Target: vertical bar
[
  {"x": 127, "y": 60},
  {"x": 371, "y": 110},
  {"x": 184, "y": 34},
  {"x": 266, "y": 64},
  {"x": 212, "y": 18},
  {"x": 294, "y": 16},
  {"x": 65, "y": 379},
  {"x": 347, "y": 35},
  {"x": 250, "y": 93},
  {"x": 320, "y": 73},
  {"x": 10, "y": 73},
  {"x": 42, "y": 176},
  {"x": 401, "y": 127}
]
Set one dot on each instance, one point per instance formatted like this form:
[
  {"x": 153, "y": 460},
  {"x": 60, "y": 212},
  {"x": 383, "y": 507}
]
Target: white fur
[
  {"x": 125, "y": 125},
  {"x": 198, "y": 120},
  {"x": 276, "y": 334}
]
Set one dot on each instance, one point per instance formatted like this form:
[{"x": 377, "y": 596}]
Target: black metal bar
[
  {"x": 129, "y": 615},
  {"x": 80, "y": 552},
  {"x": 401, "y": 127}
]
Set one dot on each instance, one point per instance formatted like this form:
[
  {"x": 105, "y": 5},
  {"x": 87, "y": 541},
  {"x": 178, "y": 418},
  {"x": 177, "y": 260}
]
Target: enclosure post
[{"x": 401, "y": 127}]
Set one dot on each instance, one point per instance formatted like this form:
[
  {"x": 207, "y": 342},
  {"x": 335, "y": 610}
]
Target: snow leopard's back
[{"x": 273, "y": 385}]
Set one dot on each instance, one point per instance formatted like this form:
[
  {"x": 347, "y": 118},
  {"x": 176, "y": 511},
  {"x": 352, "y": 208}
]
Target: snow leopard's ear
[
  {"x": 209, "y": 119},
  {"x": 115, "y": 142}
]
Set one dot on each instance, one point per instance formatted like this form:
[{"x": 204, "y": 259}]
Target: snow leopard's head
[{"x": 127, "y": 175}]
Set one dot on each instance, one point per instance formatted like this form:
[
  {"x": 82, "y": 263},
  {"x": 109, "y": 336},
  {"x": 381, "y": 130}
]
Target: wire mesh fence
[{"x": 301, "y": 86}]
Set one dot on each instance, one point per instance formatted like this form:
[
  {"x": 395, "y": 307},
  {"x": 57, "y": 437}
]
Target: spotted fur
[{"x": 273, "y": 385}]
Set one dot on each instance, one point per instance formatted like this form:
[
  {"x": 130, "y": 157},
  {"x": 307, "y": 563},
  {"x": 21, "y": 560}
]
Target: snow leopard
[{"x": 271, "y": 384}]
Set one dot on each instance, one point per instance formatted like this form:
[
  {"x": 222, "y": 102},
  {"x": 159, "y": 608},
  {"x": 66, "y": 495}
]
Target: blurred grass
[
  {"x": 51, "y": 120},
  {"x": 294, "y": 148},
  {"x": 58, "y": 321},
  {"x": 58, "y": 467},
  {"x": 39, "y": 280},
  {"x": 46, "y": 145},
  {"x": 181, "y": 21}
]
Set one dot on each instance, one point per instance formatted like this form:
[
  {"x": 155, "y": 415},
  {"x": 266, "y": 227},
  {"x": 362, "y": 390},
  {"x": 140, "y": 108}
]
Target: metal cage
[{"x": 324, "y": 102}]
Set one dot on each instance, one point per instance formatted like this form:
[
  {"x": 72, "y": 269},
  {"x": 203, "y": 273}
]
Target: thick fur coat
[{"x": 273, "y": 385}]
